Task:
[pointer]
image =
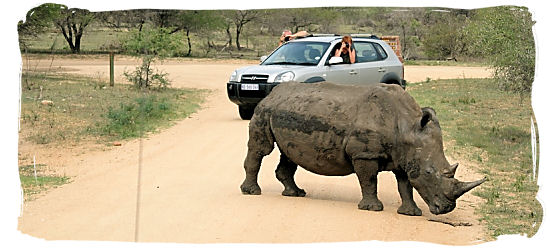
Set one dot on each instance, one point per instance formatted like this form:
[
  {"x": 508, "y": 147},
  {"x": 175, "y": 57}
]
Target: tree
[
  {"x": 150, "y": 45},
  {"x": 309, "y": 19},
  {"x": 240, "y": 18},
  {"x": 504, "y": 36},
  {"x": 197, "y": 21},
  {"x": 403, "y": 22},
  {"x": 188, "y": 21},
  {"x": 445, "y": 37},
  {"x": 72, "y": 23},
  {"x": 165, "y": 18},
  {"x": 125, "y": 19},
  {"x": 38, "y": 19}
]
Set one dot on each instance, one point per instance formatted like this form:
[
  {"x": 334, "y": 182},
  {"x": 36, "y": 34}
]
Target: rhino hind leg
[
  {"x": 367, "y": 172},
  {"x": 408, "y": 206},
  {"x": 285, "y": 174}
]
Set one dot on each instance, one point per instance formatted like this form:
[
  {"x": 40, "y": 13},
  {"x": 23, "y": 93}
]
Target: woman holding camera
[{"x": 346, "y": 50}]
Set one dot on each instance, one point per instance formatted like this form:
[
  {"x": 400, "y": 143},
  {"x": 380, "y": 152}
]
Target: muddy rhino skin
[{"x": 337, "y": 130}]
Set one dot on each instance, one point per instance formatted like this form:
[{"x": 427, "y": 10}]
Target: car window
[
  {"x": 369, "y": 51},
  {"x": 366, "y": 52},
  {"x": 336, "y": 47},
  {"x": 298, "y": 53},
  {"x": 381, "y": 51}
]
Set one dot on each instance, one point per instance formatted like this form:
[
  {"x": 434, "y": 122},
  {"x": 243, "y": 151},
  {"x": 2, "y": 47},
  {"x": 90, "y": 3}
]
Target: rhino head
[{"x": 429, "y": 171}]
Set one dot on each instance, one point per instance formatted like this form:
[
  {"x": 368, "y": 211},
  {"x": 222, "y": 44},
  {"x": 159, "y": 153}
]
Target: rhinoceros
[{"x": 337, "y": 130}]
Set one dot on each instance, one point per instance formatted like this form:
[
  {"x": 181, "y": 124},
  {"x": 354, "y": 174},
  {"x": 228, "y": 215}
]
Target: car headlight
[
  {"x": 284, "y": 77},
  {"x": 233, "y": 77}
]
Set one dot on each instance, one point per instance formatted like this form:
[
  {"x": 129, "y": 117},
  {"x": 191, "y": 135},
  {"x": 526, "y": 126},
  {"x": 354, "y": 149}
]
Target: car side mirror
[
  {"x": 335, "y": 60},
  {"x": 263, "y": 58}
]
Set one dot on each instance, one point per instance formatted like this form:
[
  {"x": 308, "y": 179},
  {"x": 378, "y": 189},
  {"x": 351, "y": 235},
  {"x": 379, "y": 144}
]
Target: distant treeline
[{"x": 425, "y": 33}]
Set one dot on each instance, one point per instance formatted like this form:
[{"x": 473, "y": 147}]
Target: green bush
[
  {"x": 132, "y": 120},
  {"x": 150, "y": 45},
  {"x": 504, "y": 36}
]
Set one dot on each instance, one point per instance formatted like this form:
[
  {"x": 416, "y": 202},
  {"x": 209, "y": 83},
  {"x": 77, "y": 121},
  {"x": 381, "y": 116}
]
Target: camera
[{"x": 287, "y": 38}]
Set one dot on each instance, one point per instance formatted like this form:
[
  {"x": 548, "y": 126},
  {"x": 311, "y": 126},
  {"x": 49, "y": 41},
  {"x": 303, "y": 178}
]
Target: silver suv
[{"x": 310, "y": 60}]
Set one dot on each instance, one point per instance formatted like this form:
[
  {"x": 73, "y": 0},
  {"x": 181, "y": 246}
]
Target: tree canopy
[{"x": 501, "y": 35}]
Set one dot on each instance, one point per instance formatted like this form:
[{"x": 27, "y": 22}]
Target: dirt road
[{"x": 191, "y": 172}]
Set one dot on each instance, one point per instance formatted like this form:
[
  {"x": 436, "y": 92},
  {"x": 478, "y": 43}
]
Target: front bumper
[{"x": 248, "y": 97}]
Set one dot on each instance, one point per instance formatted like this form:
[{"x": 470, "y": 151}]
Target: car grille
[
  {"x": 253, "y": 78},
  {"x": 252, "y": 93}
]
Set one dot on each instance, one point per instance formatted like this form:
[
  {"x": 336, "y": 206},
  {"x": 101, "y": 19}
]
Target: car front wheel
[{"x": 246, "y": 112}]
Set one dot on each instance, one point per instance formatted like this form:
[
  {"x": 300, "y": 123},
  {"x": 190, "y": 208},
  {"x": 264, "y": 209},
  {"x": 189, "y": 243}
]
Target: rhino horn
[
  {"x": 450, "y": 172},
  {"x": 463, "y": 187}
]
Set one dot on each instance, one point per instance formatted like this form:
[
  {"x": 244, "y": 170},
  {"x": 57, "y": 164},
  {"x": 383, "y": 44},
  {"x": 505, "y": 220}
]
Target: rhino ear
[{"x": 428, "y": 114}]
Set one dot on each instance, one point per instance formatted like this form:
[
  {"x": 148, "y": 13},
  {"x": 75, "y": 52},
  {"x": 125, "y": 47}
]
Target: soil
[{"x": 190, "y": 175}]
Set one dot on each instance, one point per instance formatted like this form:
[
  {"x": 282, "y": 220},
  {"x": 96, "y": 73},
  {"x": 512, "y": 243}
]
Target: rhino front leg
[
  {"x": 408, "y": 206},
  {"x": 252, "y": 167},
  {"x": 285, "y": 174},
  {"x": 260, "y": 144},
  {"x": 367, "y": 172}
]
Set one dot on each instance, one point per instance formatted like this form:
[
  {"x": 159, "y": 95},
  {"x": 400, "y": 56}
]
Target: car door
[
  {"x": 369, "y": 62},
  {"x": 341, "y": 73}
]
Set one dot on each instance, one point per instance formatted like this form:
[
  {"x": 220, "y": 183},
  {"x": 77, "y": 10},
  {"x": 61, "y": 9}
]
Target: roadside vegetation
[
  {"x": 63, "y": 110},
  {"x": 471, "y": 63},
  {"x": 490, "y": 128},
  {"x": 35, "y": 180}
]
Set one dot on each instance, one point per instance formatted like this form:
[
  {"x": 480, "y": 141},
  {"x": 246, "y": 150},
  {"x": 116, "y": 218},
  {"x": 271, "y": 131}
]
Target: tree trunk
[
  {"x": 229, "y": 38},
  {"x": 141, "y": 25},
  {"x": 68, "y": 35},
  {"x": 77, "y": 43},
  {"x": 404, "y": 47},
  {"x": 238, "y": 34},
  {"x": 78, "y": 36},
  {"x": 188, "y": 43}
]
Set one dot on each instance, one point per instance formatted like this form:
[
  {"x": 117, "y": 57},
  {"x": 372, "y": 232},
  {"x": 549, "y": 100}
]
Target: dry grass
[{"x": 492, "y": 129}]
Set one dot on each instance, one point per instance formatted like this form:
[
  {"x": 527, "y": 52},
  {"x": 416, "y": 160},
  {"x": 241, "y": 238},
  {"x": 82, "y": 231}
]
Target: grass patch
[
  {"x": 84, "y": 108},
  {"x": 145, "y": 114},
  {"x": 35, "y": 185},
  {"x": 491, "y": 128},
  {"x": 445, "y": 63}
]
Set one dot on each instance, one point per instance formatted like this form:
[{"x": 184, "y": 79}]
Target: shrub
[
  {"x": 504, "y": 36},
  {"x": 132, "y": 120},
  {"x": 151, "y": 45}
]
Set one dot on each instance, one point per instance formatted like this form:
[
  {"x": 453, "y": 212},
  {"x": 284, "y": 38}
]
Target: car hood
[{"x": 271, "y": 70}]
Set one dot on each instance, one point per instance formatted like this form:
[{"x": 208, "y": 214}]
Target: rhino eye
[{"x": 429, "y": 170}]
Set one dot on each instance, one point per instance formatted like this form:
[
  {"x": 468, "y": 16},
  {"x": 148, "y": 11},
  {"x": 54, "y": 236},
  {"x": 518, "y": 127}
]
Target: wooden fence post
[{"x": 112, "y": 69}]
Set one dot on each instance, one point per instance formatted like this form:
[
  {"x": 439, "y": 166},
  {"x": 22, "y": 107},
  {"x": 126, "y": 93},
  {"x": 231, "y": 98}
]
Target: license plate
[{"x": 250, "y": 87}]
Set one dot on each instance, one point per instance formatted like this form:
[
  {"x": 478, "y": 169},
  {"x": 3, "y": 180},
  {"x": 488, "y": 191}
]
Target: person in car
[
  {"x": 287, "y": 35},
  {"x": 346, "y": 50}
]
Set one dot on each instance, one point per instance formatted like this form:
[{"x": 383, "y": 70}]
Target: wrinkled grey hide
[{"x": 336, "y": 130}]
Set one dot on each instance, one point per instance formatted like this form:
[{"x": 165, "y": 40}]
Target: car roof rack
[
  {"x": 318, "y": 35},
  {"x": 323, "y": 35},
  {"x": 370, "y": 36}
]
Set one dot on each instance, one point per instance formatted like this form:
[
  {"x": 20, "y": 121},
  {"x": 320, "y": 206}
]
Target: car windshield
[{"x": 298, "y": 53}]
